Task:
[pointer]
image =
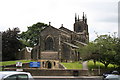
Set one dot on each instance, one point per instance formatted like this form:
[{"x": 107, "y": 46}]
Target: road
[{"x": 67, "y": 77}]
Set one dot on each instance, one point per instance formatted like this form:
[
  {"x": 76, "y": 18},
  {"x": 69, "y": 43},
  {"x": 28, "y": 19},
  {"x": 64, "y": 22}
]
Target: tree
[
  {"x": 102, "y": 49},
  {"x": 31, "y": 36},
  {"x": 106, "y": 49},
  {"x": 90, "y": 52},
  {"x": 117, "y": 49},
  {"x": 10, "y": 44}
]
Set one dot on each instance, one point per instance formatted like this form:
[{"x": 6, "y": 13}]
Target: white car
[
  {"x": 15, "y": 75},
  {"x": 112, "y": 77}
]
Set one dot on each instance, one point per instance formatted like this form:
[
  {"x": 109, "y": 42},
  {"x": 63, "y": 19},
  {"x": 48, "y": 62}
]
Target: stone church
[{"x": 61, "y": 45}]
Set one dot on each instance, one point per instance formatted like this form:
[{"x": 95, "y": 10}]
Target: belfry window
[
  {"x": 49, "y": 44},
  {"x": 79, "y": 29}
]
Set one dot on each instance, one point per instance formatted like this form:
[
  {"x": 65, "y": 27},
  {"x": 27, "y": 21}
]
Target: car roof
[{"x": 4, "y": 73}]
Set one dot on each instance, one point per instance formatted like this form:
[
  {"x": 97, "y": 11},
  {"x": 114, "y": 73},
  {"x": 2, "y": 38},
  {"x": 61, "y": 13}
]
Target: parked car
[
  {"x": 106, "y": 74},
  {"x": 15, "y": 75},
  {"x": 109, "y": 73},
  {"x": 112, "y": 76}
]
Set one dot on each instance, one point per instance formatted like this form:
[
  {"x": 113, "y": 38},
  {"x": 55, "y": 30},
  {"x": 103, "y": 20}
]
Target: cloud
[{"x": 102, "y": 15}]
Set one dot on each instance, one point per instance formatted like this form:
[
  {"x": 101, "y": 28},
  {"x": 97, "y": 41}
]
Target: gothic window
[{"x": 49, "y": 44}]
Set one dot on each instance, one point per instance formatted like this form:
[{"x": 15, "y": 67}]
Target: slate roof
[
  {"x": 80, "y": 42},
  {"x": 72, "y": 45}
]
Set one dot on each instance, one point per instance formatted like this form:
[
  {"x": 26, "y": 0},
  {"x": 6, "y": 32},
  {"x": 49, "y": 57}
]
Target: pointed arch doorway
[{"x": 48, "y": 65}]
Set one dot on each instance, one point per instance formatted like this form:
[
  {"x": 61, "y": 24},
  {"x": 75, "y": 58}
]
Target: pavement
[
  {"x": 84, "y": 64},
  {"x": 67, "y": 76}
]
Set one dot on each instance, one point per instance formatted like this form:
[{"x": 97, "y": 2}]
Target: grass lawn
[
  {"x": 13, "y": 62},
  {"x": 92, "y": 66},
  {"x": 73, "y": 65}
]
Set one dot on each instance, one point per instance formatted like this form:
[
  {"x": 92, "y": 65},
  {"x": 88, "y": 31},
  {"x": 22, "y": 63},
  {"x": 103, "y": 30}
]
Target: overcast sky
[{"x": 102, "y": 15}]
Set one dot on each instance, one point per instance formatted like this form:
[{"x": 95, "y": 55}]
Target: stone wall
[
  {"x": 55, "y": 71},
  {"x": 49, "y": 64},
  {"x": 49, "y": 55},
  {"x": 52, "y": 72},
  {"x": 58, "y": 72},
  {"x": 52, "y": 33}
]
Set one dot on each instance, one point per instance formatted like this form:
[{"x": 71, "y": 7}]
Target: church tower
[
  {"x": 81, "y": 27},
  {"x": 80, "y": 24}
]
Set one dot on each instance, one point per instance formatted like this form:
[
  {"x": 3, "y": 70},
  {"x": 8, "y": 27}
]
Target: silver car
[
  {"x": 15, "y": 75},
  {"x": 112, "y": 77}
]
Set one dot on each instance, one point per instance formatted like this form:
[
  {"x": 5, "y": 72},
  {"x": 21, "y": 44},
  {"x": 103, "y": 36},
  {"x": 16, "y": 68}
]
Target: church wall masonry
[{"x": 47, "y": 33}]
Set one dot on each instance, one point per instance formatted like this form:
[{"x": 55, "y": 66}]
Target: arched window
[
  {"x": 49, "y": 44},
  {"x": 79, "y": 29}
]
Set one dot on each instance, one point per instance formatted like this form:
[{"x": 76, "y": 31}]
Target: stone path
[{"x": 84, "y": 64}]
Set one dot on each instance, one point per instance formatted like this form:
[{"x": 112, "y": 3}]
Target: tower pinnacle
[
  {"x": 75, "y": 17},
  {"x": 78, "y": 18},
  {"x": 49, "y": 23},
  {"x": 83, "y": 17}
]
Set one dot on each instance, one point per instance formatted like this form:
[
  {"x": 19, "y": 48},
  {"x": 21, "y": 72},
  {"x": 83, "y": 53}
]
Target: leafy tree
[
  {"x": 117, "y": 49},
  {"x": 106, "y": 49},
  {"x": 31, "y": 36},
  {"x": 102, "y": 50},
  {"x": 90, "y": 52},
  {"x": 10, "y": 44}
]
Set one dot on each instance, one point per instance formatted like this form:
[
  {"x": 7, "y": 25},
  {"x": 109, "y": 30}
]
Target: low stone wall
[
  {"x": 53, "y": 72},
  {"x": 57, "y": 72}
]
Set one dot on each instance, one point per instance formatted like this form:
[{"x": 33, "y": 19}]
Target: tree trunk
[
  {"x": 94, "y": 62},
  {"x": 106, "y": 65}
]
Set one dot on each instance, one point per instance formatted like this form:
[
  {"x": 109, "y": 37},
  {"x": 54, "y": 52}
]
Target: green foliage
[
  {"x": 117, "y": 49},
  {"x": 91, "y": 65},
  {"x": 30, "y": 38},
  {"x": 73, "y": 65},
  {"x": 104, "y": 49},
  {"x": 90, "y": 51},
  {"x": 100, "y": 65},
  {"x": 10, "y": 44}
]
